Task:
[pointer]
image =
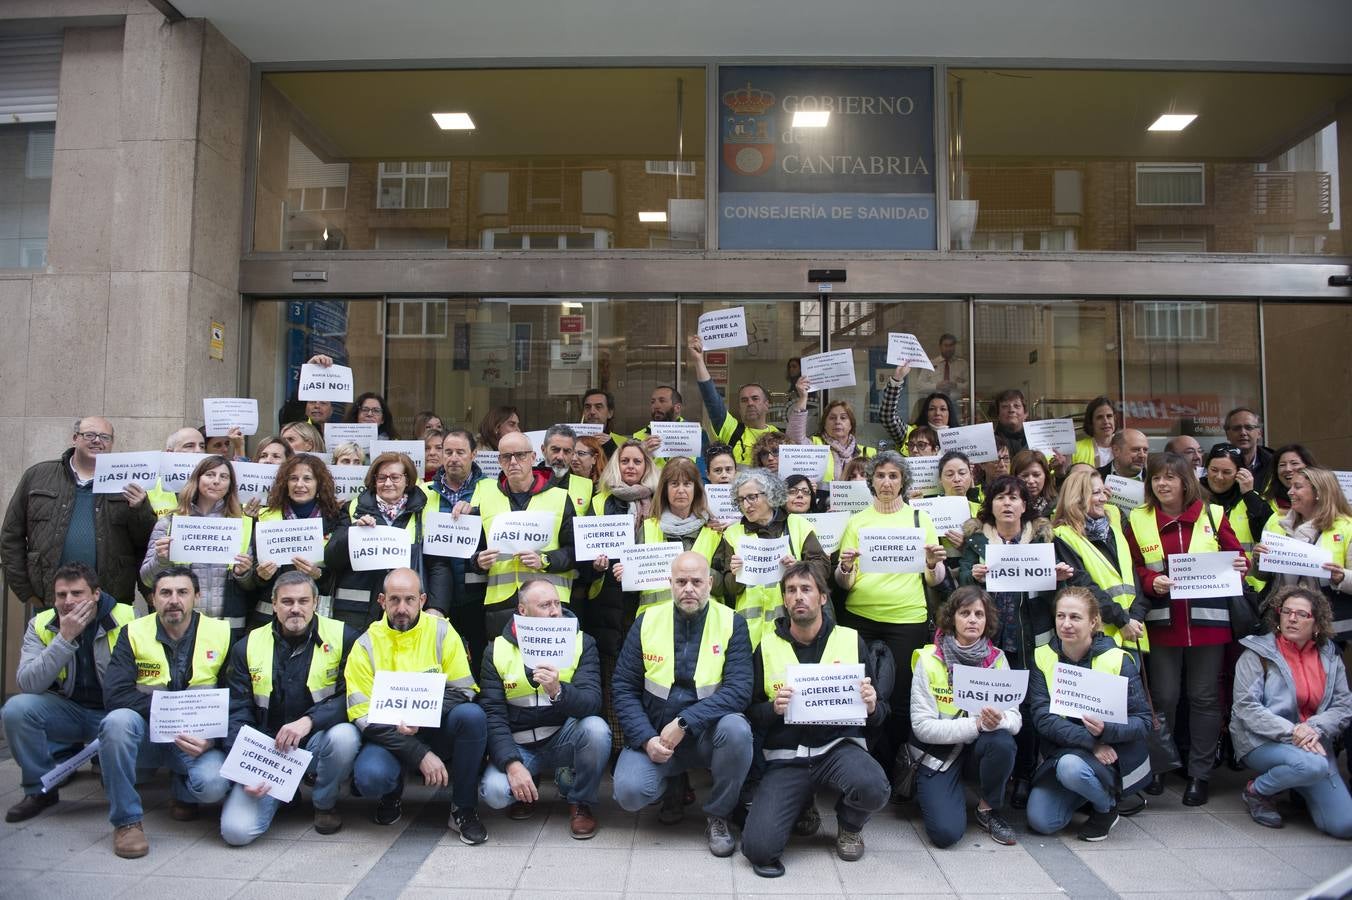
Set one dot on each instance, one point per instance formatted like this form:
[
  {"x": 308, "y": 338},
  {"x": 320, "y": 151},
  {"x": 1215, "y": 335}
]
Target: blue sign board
[{"x": 863, "y": 181}]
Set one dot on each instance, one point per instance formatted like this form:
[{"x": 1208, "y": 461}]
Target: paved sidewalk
[{"x": 1168, "y": 850}]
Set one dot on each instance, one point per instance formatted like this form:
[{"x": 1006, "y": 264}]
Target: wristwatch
[{"x": 681, "y": 723}]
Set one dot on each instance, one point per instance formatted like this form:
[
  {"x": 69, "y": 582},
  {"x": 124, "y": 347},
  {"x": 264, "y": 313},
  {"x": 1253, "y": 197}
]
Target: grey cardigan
[{"x": 1264, "y": 709}]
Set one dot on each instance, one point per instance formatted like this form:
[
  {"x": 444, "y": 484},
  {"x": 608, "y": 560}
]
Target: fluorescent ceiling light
[
  {"x": 1172, "y": 122},
  {"x": 811, "y": 118},
  {"x": 655, "y": 216},
  {"x": 454, "y": 121}
]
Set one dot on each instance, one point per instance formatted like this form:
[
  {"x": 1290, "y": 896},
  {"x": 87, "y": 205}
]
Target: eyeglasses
[
  {"x": 382, "y": 479},
  {"x": 1238, "y": 427},
  {"x": 921, "y": 445},
  {"x": 1300, "y": 614},
  {"x": 748, "y": 498},
  {"x": 90, "y": 437},
  {"x": 800, "y": 492},
  {"x": 370, "y": 410},
  {"x": 1229, "y": 450},
  {"x": 1003, "y": 457},
  {"x": 520, "y": 456},
  {"x": 583, "y": 453}
]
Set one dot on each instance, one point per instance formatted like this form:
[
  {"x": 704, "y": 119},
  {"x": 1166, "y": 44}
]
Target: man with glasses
[
  {"x": 55, "y": 518},
  {"x": 453, "y": 587},
  {"x": 1188, "y": 448},
  {"x": 1244, "y": 429},
  {"x": 522, "y": 488}
]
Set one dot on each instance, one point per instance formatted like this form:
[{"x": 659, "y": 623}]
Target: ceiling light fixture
[
  {"x": 456, "y": 121},
  {"x": 811, "y": 118},
  {"x": 654, "y": 216},
  {"x": 1172, "y": 122}
]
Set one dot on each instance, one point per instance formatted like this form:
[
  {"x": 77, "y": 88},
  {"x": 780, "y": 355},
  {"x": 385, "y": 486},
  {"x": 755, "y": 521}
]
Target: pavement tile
[
  {"x": 99, "y": 856},
  {"x": 1319, "y": 863},
  {"x": 901, "y": 872},
  {"x": 1167, "y": 830},
  {"x": 455, "y": 866},
  {"x": 1251, "y": 867},
  {"x": 51, "y": 846},
  {"x": 290, "y": 890},
  {"x": 1163, "y": 871},
  {"x": 615, "y": 829},
  {"x": 551, "y": 869},
  {"x": 340, "y": 862},
  {"x": 211, "y": 855},
  {"x": 680, "y": 872},
  {"x": 62, "y": 885},
  {"x": 1299, "y": 830},
  {"x": 13, "y": 881},
  {"x": 423, "y": 892},
  {"x": 177, "y": 887},
  {"x": 973, "y": 867},
  {"x": 806, "y": 874}
]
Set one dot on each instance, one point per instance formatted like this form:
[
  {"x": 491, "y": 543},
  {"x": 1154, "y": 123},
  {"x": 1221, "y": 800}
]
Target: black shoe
[
  {"x": 773, "y": 869},
  {"x": 809, "y": 822},
  {"x": 1000, "y": 831},
  {"x": 1130, "y": 805},
  {"x": 388, "y": 810},
  {"x": 1156, "y": 785},
  {"x": 1097, "y": 826},
  {"x": 30, "y": 806},
  {"x": 672, "y": 810},
  {"x": 465, "y": 822},
  {"x": 1196, "y": 792},
  {"x": 1022, "y": 788}
]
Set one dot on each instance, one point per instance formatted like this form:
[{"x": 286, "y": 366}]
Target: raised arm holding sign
[
  {"x": 905, "y": 350},
  {"x": 723, "y": 328},
  {"x": 325, "y": 383}
]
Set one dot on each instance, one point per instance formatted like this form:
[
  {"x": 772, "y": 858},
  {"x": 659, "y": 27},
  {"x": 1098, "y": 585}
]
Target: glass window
[
  {"x": 557, "y": 159},
  {"x": 1067, "y": 160},
  {"x": 25, "y": 193},
  {"x": 1307, "y": 367}
]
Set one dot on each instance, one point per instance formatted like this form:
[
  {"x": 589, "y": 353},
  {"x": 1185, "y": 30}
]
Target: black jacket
[
  {"x": 354, "y": 593},
  {"x": 36, "y": 523},
  {"x": 290, "y": 699},
  {"x": 577, "y": 699}
]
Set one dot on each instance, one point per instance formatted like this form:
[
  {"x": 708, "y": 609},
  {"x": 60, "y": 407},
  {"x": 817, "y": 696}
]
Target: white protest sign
[
  {"x": 904, "y": 349},
  {"x": 647, "y": 567},
  {"x": 678, "y": 439},
  {"x": 1203, "y": 575},
  {"x": 761, "y": 560},
  {"x": 595, "y": 536},
  {"x": 57, "y": 776},
  {"x": 1077, "y": 692},
  {"x": 205, "y": 539},
  {"x": 803, "y": 459},
  {"x": 325, "y": 383},
  {"x": 114, "y": 471},
  {"x": 721, "y": 507},
  {"x": 408, "y": 698},
  {"x": 254, "y": 759},
  {"x": 176, "y": 469},
  {"x": 891, "y": 551},
  {"x": 975, "y": 688},
  {"x": 1293, "y": 556},
  {"x": 923, "y": 473},
  {"x": 488, "y": 463},
  {"x": 829, "y": 527},
  {"x": 826, "y": 694},
  {"x": 372, "y": 548},
  {"x": 414, "y": 450},
  {"x": 1125, "y": 493},
  {"x": 279, "y": 541},
  {"x": 723, "y": 328},
  {"x": 255, "y": 480},
  {"x": 1020, "y": 567},
  {"x": 447, "y": 536},
  {"x": 1051, "y": 434},
  {"x": 947, "y": 513},
  {"x": 1345, "y": 482},
  {"x": 348, "y": 481},
  {"x": 363, "y": 434},
  {"x": 829, "y": 370},
  {"x": 198, "y": 713},
  {"x": 223, "y": 413},
  {"x": 546, "y": 642},
  {"x": 586, "y": 429},
  {"x": 849, "y": 496},
  {"x": 977, "y": 441},
  {"x": 520, "y": 532}
]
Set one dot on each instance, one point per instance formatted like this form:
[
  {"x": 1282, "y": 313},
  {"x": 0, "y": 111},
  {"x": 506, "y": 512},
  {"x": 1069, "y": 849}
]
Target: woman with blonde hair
[
  {"x": 1319, "y": 515},
  {"x": 303, "y": 437}
]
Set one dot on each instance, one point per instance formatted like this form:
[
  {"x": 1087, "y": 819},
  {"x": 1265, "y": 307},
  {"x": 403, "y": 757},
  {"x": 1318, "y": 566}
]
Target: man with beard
[
  {"x": 665, "y": 405},
  {"x": 559, "y": 443},
  {"x": 454, "y": 589},
  {"x": 286, "y": 680}
]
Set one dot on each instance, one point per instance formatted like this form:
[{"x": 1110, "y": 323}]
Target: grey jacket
[
  {"x": 41, "y": 665},
  {"x": 1264, "y": 709},
  {"x": 215, "y": 580}
]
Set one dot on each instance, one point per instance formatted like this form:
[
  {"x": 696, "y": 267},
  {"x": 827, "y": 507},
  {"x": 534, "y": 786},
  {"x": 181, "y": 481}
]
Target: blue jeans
[
  {"x": 1314, "y": 777},
  {"x": 244, "y": 817},
  {"x": 1052, "y": 803},
  {"x": 35, "y": 723},
  {"x": 724, "y": 749},
  {"x": 943, "y": 802},
  {"x": 583, "y": 744},
  {"x": 125, "y": 754},
  {"x": 461, "y": 739}
]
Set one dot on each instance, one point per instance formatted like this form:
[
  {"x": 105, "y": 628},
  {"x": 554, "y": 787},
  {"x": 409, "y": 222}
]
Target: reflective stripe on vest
[
  {"x": 324, "y": 659},
  {"x": 777, "y": 654},
  {"x": 1201, "y": 610},
  {"x": 1109, "y": 661},
  {"x": 741, "y": 448},
  {"x": 506, "y": 575},
  {"x": 520, "y": 692},
  {"x": 936, "y": 671},
  {"x": 706, "y": 544},
  {"x": 760, "y": 605},
  {"x": 121, "y": 614},
  {"x": 1117, "y": 582},
  {"x": 423, "y": 658},
  {"x": 1335, "y": 541},
  {"x": 657, "y": 640},
  {"x": 211, "y": 644}
]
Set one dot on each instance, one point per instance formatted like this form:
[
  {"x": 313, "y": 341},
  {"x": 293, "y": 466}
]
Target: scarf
[
  {"x": 639, "y": 497},
  {"x": 1096, "y": 529},
  {"x": 844, "y": 450},
  {"x": 299, "y": 510},
  {"x": 978, "y": 654},
  {"x": 1308, "y": 671},
  {"x": 391, "y": 512},
  {"x": 677, "y": 526}
]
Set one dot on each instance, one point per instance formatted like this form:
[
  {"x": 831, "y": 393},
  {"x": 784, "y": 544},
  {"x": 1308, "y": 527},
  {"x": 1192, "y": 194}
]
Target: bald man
[{"x": 1131, "y": 449}]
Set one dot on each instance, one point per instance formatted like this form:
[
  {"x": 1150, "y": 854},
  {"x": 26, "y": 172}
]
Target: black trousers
[{"x": 901, "y": 641}]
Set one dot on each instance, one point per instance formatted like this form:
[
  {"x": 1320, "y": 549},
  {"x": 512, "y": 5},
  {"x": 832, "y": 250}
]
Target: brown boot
[
  {"x": 328, "y": 821},
  {"x": 182, "y": 812},
  {"x": 129, "y": 841},
  {"x": 581, "y": 821}
]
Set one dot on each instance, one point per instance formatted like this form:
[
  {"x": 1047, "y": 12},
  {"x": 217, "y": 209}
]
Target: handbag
[
  {"x": 904, "y": 775},
  {"x": 1164, "y": 755}
]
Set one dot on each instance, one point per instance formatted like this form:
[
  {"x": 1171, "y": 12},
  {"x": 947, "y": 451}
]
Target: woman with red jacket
[{"x": 1176, "y": 520}]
